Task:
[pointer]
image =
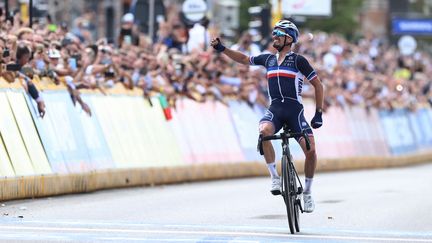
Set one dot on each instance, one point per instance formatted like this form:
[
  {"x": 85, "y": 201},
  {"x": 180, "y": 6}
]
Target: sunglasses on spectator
[{"x": 279, "y": 33}]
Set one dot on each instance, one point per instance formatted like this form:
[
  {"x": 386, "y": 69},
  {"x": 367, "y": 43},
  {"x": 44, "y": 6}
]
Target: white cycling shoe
[
  {"x": 276, "y": 186},
  {"x": 308, "y": 203}
]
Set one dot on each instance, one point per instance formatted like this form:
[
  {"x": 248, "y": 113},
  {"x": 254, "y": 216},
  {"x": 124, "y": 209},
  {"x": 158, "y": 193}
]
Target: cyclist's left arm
[{"x": 310, "y": 74}]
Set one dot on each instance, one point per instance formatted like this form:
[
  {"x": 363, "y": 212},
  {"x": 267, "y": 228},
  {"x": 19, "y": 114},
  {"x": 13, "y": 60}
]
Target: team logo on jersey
[
  {"x": 272, "y": 62},
  {"x": 304, "y": 124},
  {"x": 268, "y": 115}
]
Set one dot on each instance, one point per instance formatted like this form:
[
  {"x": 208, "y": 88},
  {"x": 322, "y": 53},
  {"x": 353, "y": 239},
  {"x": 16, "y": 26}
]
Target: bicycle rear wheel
[{"x": 287, "y": 193}]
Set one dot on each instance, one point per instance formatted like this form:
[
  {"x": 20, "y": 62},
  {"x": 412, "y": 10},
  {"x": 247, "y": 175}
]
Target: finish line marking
[{"x": 205, "y": 232}]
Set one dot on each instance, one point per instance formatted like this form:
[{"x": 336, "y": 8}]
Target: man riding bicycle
[{"x": 286, "y": 72}]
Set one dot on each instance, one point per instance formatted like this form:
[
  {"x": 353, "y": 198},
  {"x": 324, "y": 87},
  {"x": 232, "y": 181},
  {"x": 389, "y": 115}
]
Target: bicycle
[{"x": 289, "y": 190}]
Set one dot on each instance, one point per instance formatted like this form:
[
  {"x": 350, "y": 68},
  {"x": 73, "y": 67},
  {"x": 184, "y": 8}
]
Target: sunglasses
[{"x": 279, "y": 33}]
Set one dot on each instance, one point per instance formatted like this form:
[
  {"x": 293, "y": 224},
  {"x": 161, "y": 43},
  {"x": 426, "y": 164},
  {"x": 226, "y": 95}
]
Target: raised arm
[{"x": 234, "y": 55}]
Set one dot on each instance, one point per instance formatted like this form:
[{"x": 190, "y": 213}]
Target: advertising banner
[
  {"x": 67, "y": 128},
  {"x": 402, "y": 26},
  {"x": 48, "y": 137},
  {"x": 246, "y": 123},
  {"x": 334, "y": 139},
  {"x": 6, "y": 168},
  {"x": 421, "y": 127},
  {"x": 208, "y": 127},
  {"x": 306, "y": 7},
  {"x": 399, "y": 135},
  {"x": 102, "y": 111},
  {"x": 12, "y": 140},
  {"x": 28, "y": 132},
  {"x": 161, "y": 136},
  {"x": 97, "y": 147}
]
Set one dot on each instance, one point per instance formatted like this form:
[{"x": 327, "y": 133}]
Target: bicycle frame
[{"x": 290, "y": 192}]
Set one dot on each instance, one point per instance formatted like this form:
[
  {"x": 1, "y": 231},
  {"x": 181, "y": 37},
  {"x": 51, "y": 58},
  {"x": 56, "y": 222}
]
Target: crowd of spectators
[{"x": 368, "y": 73}]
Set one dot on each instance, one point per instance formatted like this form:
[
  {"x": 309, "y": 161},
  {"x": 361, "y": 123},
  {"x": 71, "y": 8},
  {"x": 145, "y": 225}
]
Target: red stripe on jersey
[{"x": 287, "y": 75}]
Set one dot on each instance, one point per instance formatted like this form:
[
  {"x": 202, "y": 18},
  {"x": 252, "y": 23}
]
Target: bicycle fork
[{"x": 299, "y": 190}]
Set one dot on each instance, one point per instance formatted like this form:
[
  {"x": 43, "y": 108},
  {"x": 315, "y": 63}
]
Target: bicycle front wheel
[
  {"x": 296, "y": 197},
  {"x": 288, "y": 193}
]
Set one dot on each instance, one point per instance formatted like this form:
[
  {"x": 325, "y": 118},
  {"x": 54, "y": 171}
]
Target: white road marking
[{"x": 213, "y": 233}]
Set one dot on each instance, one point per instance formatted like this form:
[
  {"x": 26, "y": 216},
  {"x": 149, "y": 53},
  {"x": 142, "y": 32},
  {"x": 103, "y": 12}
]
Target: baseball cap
[
  {"x": 129, "y": 17},
  {"x": 53, "y": 53}
]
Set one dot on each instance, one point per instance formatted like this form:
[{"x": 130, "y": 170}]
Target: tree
[
  {"x": 244, "y": 14},
  {"x": 344, "y": 19}
]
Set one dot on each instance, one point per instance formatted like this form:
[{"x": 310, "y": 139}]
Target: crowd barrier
[{"x": 126, "y": 137}]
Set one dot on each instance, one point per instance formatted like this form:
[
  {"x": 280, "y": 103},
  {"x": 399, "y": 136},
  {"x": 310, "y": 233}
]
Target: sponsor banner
[
  {"x": 127, "y": 129},
  {"x": 377, "y": 134},
  {"x": 208, "y": 128},
  {"x": 102, "y": 110},
  {"x": 193, "y": 121},
  {"x": 180, "y": 133},
  {"x": 246, "y": 122},
  {"x": 412, "y": 26},
  {"x": 334, "y": 139},
  {"x": 97, "y": 147},
  {"x": 421, "y": 127},
  {"x": 6, "y": 169},
  {"x": 365, "y": 130},
  {"x": 67, "y": 128},
  {"x": 399, "y": 135},
  {"x": 223, "y": 132},
  {"x": 359, "y": 130},
  {"x": 12, "y": 140},
  {"x": 306, "y": 7},
  {"x": 145, "y": 145},
  {"x": 48, "y": 136},
  {"x": 161, "y": 135},
  {"x": 28, "y": 132}
]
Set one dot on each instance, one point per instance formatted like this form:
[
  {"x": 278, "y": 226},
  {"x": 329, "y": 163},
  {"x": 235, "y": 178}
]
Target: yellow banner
[
  {"x": 12, "y": 139},
  {"x": 29, "y": 133}
]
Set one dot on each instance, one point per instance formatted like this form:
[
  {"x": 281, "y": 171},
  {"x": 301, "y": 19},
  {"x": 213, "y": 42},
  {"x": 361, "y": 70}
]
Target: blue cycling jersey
[{"x": 285, "y": 81}]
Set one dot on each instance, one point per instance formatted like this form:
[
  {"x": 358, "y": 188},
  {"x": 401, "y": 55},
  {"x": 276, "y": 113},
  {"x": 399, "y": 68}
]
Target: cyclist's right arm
[
  {"x": 234, "y": 55},
  {"x": 237, "y": 56}
]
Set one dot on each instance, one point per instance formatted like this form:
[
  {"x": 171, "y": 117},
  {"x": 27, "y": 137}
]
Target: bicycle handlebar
[{"x": 285, "y": 135}]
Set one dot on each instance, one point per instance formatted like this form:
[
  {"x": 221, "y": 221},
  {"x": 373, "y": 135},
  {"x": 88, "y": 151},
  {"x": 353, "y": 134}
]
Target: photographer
[{"x": 12, "y": 70}]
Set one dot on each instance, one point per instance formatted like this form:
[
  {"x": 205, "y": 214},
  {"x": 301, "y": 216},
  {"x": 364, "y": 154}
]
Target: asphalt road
[{"x": 389, "y": 205}]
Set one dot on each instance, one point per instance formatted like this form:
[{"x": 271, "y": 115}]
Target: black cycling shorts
[{"x": 289, "y": 112}]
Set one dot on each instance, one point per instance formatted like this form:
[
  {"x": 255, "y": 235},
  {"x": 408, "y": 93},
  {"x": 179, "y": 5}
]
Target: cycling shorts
[{"x": 289, "y": 112}]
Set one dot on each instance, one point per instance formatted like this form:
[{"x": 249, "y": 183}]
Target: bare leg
[
  {"x": 267, "y": 129},
  {"x": 311, "y": 157}
]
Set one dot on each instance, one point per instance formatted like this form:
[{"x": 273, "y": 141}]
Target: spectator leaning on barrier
[
  {"x": 285, "y": 72},
  {"x": 367, "y": 73},
  {"x": 11, "y": 70}
]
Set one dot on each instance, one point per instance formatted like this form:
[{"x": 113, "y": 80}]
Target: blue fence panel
[
  {"x": 398, "y": 132},
  {"x": 422, "y": 127},
  {"x": 68, "y": 129},
  {"x": 49, "y": 138},
  {"x": 97, "y": 146}
]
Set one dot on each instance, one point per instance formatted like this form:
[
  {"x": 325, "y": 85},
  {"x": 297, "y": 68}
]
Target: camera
[
  {"x": 13, "y": 67},
  {"x": 109, "y": 74},
  {"x": 6, "y": 52}
]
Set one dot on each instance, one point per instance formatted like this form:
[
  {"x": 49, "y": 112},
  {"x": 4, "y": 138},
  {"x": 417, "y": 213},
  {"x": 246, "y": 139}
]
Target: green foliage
[
  {"x": 244, "y": 14},
  {"x": 344, "y": 19}
]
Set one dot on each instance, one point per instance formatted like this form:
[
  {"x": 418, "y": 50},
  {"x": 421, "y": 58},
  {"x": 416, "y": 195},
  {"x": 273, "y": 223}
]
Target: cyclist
[{"x": 286, "y": 72}]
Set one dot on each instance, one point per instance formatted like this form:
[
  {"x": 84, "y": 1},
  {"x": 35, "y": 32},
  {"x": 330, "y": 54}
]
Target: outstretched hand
[
  {"x": 217, "y": 45},
  {"x": 41, "y": 108}
]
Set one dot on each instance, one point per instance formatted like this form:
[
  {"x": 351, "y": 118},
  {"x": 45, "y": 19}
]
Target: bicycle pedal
[
  {"x": 276, "y": 192},
  {"x": 299, "y": 190},
  {"x": 298, "y": 202}
]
